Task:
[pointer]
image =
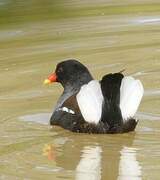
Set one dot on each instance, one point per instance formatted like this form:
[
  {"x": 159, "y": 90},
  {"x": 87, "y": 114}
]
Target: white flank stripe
[
  {"x": 90, "y": 100},
  {"x": 65, "y": 109},
  {"x": 131, "y": 93}
]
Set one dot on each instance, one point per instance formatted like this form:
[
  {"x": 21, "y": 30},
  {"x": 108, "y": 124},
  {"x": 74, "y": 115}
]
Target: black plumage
[{"x": 73, "y": 75}]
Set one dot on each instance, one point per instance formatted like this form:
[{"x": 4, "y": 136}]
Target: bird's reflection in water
[
  {"x": 49, "y": 152},
  {"x": 89, "y": 166},
  {"x": 91, "y": 157},
  {"x": 129, "y": 167}
]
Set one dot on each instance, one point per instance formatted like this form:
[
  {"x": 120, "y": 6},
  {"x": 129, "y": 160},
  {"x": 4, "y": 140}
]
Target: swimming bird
[{"x": 91, "y": 106}]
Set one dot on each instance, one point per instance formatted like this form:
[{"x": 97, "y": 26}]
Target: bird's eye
[{"x": 60, "y": 70}]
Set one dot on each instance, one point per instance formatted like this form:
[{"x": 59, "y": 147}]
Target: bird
[{"x": 87, "y": 105}]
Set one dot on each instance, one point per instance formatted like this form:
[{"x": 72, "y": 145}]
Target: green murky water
[{"x": 107, "y": 36}]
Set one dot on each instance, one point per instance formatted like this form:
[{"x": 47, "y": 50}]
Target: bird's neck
[{"x": 72, "y": 87}]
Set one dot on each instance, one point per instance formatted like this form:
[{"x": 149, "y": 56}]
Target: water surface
[{"x": 107, "y": 36}]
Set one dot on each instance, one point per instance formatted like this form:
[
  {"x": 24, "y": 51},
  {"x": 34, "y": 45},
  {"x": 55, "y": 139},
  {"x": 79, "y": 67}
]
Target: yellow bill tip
[{"x": 46, "y": 81}]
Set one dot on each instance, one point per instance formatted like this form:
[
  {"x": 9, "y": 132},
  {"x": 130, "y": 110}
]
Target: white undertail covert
[
  {"x": 131, "y": 92},
  {"x": 90, "y": 101}
]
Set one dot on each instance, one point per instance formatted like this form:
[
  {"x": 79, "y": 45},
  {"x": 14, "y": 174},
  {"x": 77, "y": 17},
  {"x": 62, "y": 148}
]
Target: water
[{"x": 107, "y": 36}]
